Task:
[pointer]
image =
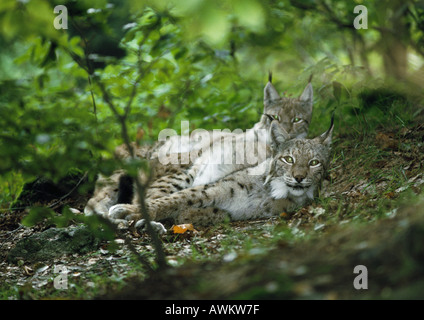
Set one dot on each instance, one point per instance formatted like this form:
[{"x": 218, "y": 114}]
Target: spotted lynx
[
  {"x": 291, "y": 176},
  {"x": 291, "y": 114}
]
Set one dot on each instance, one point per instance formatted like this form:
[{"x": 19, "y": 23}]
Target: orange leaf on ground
[{"x": 182, "y": 228}]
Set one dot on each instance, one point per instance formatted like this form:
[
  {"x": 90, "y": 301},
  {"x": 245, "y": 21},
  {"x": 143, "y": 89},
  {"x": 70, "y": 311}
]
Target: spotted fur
[
  {"x": 293, "y": 115},
  {"x": 283, "y": 181}
]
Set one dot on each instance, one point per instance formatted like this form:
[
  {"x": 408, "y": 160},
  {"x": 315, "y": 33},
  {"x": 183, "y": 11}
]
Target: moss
[{"x": 54, "y": 243}]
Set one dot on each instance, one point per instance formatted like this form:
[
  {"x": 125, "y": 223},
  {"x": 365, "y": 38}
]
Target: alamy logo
[
  {"x": 361, "y": 21},
  {"x": 217, "y": 146},
  {"x": 61, "y": 21},
  {"x": 361, "y": 280},
  {"x": 61, "y": 281}
]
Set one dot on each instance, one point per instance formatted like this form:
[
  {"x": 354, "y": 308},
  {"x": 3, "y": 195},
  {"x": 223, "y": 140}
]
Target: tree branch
[
  {"x": 140, "y": 187},
  {"x": 122, "y": 118}
]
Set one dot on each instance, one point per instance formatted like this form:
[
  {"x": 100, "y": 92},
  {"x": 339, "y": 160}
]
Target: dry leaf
[
  {"x": 386, "y": 141},
  {"x": 182, "y": 228},
  {"x": 390, "y": 195},
  {"x": 28, "y": 271},
  {"x": 139, "y": 136}
]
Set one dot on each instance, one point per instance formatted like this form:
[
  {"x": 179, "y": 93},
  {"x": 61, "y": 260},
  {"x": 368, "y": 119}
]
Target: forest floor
[{"x": 370, "y": 213}]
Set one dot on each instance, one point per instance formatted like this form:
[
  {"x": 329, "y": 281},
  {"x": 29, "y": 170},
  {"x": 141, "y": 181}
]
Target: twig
[
  {"x": 333, "y": 16},
  {"x": 54, "y": 203},
  {"x": 141, "y": 74},
  {"x": 92, "y": 99},
  {"x": 140, "y": 187},
  {"x": 70, "y": 192}
]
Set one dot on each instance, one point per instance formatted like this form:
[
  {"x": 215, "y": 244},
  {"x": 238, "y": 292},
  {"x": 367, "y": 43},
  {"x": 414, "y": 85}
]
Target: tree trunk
[
  {"x": 394, "y": 56},
  {"x": 394, "y": 37}
]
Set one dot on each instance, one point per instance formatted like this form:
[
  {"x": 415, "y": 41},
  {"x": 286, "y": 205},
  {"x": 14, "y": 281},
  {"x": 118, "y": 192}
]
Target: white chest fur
[{"x": 279, "y": 190}]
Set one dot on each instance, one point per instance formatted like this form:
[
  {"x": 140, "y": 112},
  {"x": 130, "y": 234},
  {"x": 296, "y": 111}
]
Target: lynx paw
[
  {"x": 157, "y": 226},
  {"x": 122, "y": 211}
]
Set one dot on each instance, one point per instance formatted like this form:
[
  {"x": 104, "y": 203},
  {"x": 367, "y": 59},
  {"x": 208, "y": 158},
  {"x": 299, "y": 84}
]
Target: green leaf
[{"x": 37, "y": 214}]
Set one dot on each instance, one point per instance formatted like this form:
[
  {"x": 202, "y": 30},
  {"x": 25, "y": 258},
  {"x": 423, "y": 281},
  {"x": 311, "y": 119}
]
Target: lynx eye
[
  {"x": 276, "y": 117},
  {"x": 314, "y": 163},
  {"x": 287, "y": 159},
  {"x": 297, "y": 119}
]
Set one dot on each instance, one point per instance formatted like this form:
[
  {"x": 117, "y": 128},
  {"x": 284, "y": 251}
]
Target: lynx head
[
  {"x": 298, "y": 165},
  {"x": 292, "y": 114}
]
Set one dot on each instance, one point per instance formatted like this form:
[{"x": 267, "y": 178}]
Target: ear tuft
[
  {"x": 326, "y": 137},
  {"x": 310, "y": 78}
]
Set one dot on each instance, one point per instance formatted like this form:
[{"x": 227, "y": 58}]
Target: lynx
[
  {"x": 292, "y": 175},
  {"x": 291, "y": 114}
]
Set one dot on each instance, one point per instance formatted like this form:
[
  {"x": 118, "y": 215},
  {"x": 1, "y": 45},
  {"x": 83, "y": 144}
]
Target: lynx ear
[
  {"x": 270, "y": 94},
  {"x": 277, "y": 135},
  {"x": 307, "y": 98},
  {"x": 326, "y": 137}
]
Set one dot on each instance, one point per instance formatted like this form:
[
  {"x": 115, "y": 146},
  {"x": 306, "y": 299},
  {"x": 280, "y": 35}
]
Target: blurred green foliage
[{"x": 197, "y": 60}]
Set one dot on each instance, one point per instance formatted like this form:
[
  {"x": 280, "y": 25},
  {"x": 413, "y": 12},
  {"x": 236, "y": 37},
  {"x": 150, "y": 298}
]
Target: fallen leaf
[
  {"x": 390, "y": 195},
  {"x": 28, "y": 271},
  {"x": 386, "y": 141},
  {"x": 139, "y": 136},
  {"x": 42, "y": 269},
  {"x": 182, "y": 228},
  {"x": 75, "y": 211}
]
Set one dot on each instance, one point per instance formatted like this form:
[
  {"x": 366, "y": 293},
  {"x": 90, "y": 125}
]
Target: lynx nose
[{"x": 299, "y": 178}]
